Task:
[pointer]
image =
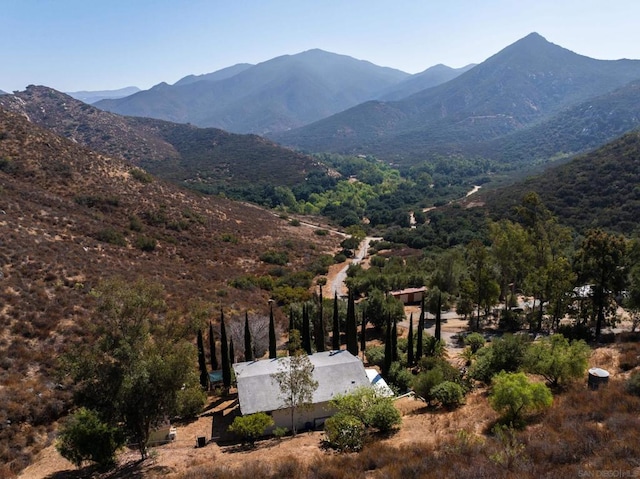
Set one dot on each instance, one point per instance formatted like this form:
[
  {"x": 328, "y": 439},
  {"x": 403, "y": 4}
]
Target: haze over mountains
[
  {"x": 528, "y": 82},
  {"x": 94, "y": 96},
  {"x": 279, "y": 94}
]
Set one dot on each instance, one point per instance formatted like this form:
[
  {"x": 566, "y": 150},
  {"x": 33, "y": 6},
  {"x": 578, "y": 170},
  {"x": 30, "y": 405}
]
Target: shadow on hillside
[{"x": 132, "y": 469}]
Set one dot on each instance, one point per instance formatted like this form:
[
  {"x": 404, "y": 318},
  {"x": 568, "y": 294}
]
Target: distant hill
[
  {"x": 598, "y": 189},
  {"x": 70, "y": 218},
  {"x": 183, "y": 153},
  {"x": 3, "y": 92},
  {"x": 525, "y": 83},
  {"x": 215, "y": 76},
  {"x": 94, "y": 96},
  {"x": 429, "y": 78},
  {"x": 282, "y": 93},
  {"x": 573, "y": 130}
]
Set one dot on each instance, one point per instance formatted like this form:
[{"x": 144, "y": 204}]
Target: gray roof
[{"x": 337, "y": 372}]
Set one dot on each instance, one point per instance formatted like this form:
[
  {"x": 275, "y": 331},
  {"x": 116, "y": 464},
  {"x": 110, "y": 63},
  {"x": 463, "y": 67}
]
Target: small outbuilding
[
  {"x": 337, "y": 373},
  {"x": 409, "y": 295}
]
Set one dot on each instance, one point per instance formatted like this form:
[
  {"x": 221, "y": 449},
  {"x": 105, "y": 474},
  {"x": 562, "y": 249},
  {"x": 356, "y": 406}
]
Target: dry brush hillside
[{"x": 70, "y": 217}]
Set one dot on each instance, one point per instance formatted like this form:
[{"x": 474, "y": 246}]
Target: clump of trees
[{"x": 138, "y": 372}]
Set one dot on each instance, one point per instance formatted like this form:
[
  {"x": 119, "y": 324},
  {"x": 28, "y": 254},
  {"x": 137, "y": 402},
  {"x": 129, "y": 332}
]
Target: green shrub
[
  {"x": 140, "y": 175},
  {"x": 448, "y": 393},
  {"x": 383, "y": 415},
  {"x": 475, "y": 341},
  {"x": 513, "y": 396},
  {"x": 344, "y": 432},
  {"x": 275, "y": 257},
  {"x": 84, "y": 437},
  {"x": 111, "y": 236},
  {"x": 251, "y": 427},
  {"x": 557, "y": 360},
  {"x": 295, "y": 222},
  {"x": 375, "y": 355},
  {"x": 632, "y": 385},
  {"x": 399, "y": 377},
  {"x": 190, "y": 401},
  {"x": 280, "y": 432},
  {"x": 321, "y": 232},
  {"x": 146, "y": 243}
]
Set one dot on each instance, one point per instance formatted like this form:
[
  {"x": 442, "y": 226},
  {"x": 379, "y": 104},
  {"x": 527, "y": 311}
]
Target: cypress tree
[
  {"x": 224, "y": 353},
  {"x": 248, "y": 344},
  {"x": 352, "y": 327},
  {"x": 363, "y": 332},
  {"x": 292, "y": 324},
  {"x": 438, "y": 332},
  {"x": 212, "y": 348},
  {"x": 306, "y": 330},
  {"x": 420, "y": 331},
  {"x": 318, "y": 334},
  {"x": 202, "y": 363},
  {"x": 272, "y": 333},
  {"x": 394, "y": 340},
  {"x": 386, "y": 365},
  {"x": 335, "y": 339},
  {"x": 410, "y": 342},
  {"x": 232, "y": 352}
]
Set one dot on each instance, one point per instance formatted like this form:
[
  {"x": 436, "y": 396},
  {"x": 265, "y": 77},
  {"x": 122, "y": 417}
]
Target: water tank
[{"x": 597, "y": 376}]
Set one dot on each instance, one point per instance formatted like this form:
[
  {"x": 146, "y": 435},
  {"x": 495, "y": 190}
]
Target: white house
[{"x": 337, "y": 373}]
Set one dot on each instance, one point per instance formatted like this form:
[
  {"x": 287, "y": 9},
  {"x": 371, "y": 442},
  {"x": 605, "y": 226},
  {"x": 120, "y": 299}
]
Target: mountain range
[
  {"x": 527, "y": 83},
  {"x": 94, "y": 96},
  {"x": 279, "y": 94}
]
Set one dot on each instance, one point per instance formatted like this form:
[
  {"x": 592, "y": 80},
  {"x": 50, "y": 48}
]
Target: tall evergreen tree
[
  {"x": 386, "y": 365},
  {"x": 363, "y": 332},
  {"x": 335, "y": 339},
  {"x": 410, "y": 358},
  {"x": 232, "y": 352},
  {"x": 318, "y": 329},
  {"x": 272, "y": 334},
  {"x": 306, "y": 330},
  {"x": 420, "y": 331},
  {"x": 292, "y": 324},
  {"x": 202, "y": 363},
  {"x": 394, "y": 340},
  {"x": 224, "y": 353},
  {"x": 212, "y": 348},
  {"x": 352, "y": 328},
  {"x": 248, "y": 343},
  {"x": 438, "y": 333}
]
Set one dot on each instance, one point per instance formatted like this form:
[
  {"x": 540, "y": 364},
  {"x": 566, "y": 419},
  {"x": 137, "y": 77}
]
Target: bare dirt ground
[{"x": 419, "y": 425}]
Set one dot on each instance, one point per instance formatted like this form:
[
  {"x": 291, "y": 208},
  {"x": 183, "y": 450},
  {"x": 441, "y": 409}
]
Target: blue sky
[{"x": 75, "y": 45}]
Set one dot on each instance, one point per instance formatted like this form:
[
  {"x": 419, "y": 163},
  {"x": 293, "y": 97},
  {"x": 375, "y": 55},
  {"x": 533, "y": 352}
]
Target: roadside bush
[
  {"x": 251, "y": 427},
  {"x": 344, "y": 432},
  {"x": 448, "y": 393}
]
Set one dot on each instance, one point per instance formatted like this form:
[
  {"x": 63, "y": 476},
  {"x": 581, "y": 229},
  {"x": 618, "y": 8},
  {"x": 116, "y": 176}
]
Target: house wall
[{"x": 315, "y": 416}]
